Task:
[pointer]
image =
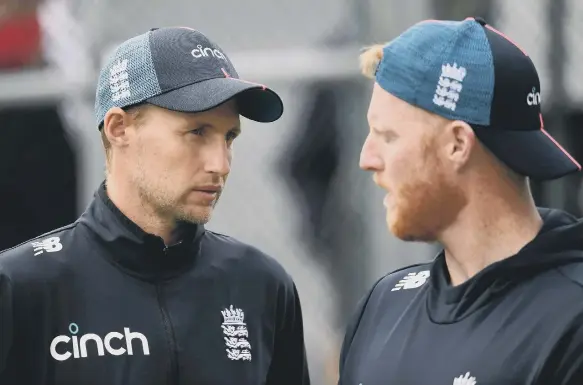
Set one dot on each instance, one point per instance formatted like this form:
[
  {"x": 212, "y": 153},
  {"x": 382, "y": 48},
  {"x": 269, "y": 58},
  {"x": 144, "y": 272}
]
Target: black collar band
[{"x": 135, "y": 251}]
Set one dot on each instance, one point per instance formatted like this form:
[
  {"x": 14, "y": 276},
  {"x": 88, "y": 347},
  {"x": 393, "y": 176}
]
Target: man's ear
[
  {"x": 461, "y": 142},
  {"x": 115, "y": 126}
]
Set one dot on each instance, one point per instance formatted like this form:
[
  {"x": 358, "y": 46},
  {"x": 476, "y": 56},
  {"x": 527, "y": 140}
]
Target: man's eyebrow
[
  {"x": 206, "y": 125},
  {"x": 376, "y": 129},
  {"x": 383, "y": 130},
  {"x": 210, "y": 125},
  {"x": 190, "y": 123}
]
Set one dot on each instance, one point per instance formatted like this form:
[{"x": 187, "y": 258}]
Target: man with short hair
[
  {"x": 455, "y": 134},
  {"x": 137, "y": 291}
]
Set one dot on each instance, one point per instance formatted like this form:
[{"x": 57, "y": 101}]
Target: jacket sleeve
[
  {"x": 289, "y": 365},
  {"x": 567, "y": 359},
  {"x": 5, "y": 321},
  {"x": 352, "y": 328},
  {"x": 349, "y": 334}
]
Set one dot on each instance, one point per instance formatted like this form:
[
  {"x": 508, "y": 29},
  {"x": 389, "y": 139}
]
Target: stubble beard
[
  {"x": 173, "y": 206},
  {"x": 424, "y": 208}
]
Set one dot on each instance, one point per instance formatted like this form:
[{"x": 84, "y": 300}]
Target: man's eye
[
  {"x": 198, "y": 131},
  {"x": 231, "y": 136}
]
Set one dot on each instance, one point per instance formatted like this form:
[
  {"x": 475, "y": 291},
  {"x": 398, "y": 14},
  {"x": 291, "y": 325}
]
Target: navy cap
[
  {"x": 469, "y": 71},
  {"x": 180, "y": 69}
]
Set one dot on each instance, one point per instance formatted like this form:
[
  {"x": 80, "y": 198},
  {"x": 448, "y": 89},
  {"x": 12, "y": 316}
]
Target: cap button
[{"x": 480, "y": 20}]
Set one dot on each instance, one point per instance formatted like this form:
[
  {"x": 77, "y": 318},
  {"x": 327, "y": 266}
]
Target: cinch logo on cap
[
  {"x": 533, "y": 98},
  {"x": 199, "y": 52}
]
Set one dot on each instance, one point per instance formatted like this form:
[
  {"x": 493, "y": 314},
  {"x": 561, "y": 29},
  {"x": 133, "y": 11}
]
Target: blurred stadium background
[{"x": 295, "y": 191}]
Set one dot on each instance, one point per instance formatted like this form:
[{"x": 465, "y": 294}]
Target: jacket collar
[{"x": 135, "y": 251}]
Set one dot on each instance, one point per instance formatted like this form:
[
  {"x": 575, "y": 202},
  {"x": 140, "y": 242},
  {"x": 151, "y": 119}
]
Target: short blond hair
[{"x": 370, "y": 59}]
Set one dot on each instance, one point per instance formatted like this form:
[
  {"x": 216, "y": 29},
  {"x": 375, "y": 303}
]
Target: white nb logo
[
  {"x": 50, "y": 245},
  {"x": 465, "y": 380},
  {"x": 412, "y": 281}
]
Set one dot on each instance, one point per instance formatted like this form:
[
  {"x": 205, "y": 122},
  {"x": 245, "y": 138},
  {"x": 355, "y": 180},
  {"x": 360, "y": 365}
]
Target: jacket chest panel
[{"x": 161, "y": 334}]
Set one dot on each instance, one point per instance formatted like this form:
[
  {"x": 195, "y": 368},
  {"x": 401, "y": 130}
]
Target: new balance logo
[
  {"x": 61, "y": 345},
  {"x": 412, "y": 281},
  {"x": 236, "y": 334},
  {"x": 50, "y": 245},
  {"x": 449, "y": 86},
  {"x": 465, "y": 380}
]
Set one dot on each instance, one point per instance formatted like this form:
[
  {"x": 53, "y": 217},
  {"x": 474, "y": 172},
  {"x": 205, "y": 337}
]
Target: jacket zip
[{"x": 169, "y": 331}]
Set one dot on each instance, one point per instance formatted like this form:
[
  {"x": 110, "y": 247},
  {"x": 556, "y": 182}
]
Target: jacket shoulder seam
[
  {"x": 60, "y": 229},
  {"x": 370, "y": 293}
]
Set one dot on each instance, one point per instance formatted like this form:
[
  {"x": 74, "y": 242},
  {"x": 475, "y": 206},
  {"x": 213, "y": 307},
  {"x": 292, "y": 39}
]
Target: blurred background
[{"x": 295, "y": 190}]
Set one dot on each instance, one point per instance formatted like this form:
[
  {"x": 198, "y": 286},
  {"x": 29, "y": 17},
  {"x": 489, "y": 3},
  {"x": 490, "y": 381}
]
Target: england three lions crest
[{"x": 235, "y": 334}]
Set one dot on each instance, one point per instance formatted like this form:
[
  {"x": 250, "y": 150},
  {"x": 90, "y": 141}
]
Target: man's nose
[
  {"x": 218, "y": 159},
  {"x": 369, "y": 157}
]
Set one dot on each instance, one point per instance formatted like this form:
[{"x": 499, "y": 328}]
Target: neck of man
[
  {"x": 130, "y": 202},
  {"x": 497, "y": 223}
]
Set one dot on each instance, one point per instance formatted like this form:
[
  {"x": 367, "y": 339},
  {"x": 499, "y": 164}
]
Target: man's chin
[
  {"x": 199, "y": 216},
  {"x": 398, "y": 231},
  {"x": 407, "y": 230}
]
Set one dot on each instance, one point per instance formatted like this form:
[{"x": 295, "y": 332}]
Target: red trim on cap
[
  {"x": 241, "y": 80},
  {"x": 505, "y": 37},
  {"x": 257, "y": 84},
  {"x": 542, "y": 128}
]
